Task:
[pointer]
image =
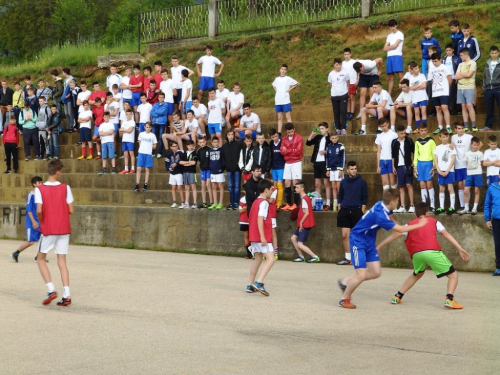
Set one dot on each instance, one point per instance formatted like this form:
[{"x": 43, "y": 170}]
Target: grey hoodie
[{"x": 491, "y": 81}]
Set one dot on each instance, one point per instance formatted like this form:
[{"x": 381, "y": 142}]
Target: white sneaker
[
  {"x": 158, "y": 156},
  {"x": 400, "y": 210},
  {"x": 463, "y": 212},
  {"x": 359, "y": 115},
  {"x": 408, "y": 130},
  {"x": 184, "y": 205},
  {"x": 473, "y": 212},
  {"x": 174, "y": 205},
  {"x": 411, "y": 209},
  {"x": 194, "y": 206}
]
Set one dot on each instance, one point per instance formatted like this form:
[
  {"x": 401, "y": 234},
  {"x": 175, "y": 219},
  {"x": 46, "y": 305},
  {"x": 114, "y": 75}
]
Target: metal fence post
[
  {"x": 366, "y": 8},
  {"x": 139, "y": 33},
  {"x": 212, "y": 18}
]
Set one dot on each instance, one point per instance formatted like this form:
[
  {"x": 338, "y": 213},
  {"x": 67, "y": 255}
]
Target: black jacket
[
  {"x": 353, "y": 193},
  {"x": 6, "y": 99},
  {"x": 409, "y": 148},
  {"x": 266, "y": 159},
  {"x": 251, "y": 192},
  {"x": 54, "y": 122},
  {"x": 204, "y": 158},
  {"x": 231, "y": 155},
  {"x": 316, "y": 141}
]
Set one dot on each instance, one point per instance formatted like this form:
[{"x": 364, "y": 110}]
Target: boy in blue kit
[
  {"x": 207, "y": 74},
  {"x": 32, "y": 222},
  {"x": 364, "y": 253},
  {"x": 425, "y": 43},
  {"x": 456, "y": 35},
  {"x": 277, "y": 164},
  {"x": 394, "y": 48},
  {"x": 283, "y": 85},
  {"x": 217, "y": 174}
]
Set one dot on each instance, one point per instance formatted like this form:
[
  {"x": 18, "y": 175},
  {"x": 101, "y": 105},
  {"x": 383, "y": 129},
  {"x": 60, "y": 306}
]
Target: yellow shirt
[
  {"x": 467, "y": 83},
  {"x": 17, "y": 99}
]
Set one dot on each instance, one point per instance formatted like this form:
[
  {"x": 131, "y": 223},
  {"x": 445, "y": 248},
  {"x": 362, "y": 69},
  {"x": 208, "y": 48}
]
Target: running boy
[
  {"x": 283, "y": 85},
  {"x": 402, "y": 149},
  {"x": 147, "y": 143},
  {"x": 424, "y": 249},
  {"x": 54, "y": 205},
  {"x": 474, "y": 159},
  {"x": 335, "y": 164},
  {"x": 444, "y": 160},
  {"x": 423, "y": 162}
]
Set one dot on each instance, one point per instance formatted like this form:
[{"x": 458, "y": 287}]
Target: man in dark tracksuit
[{"x": 491, "y": 87}]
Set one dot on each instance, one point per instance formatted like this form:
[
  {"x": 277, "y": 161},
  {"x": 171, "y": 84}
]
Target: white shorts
[
  {"x": 59, "y": 243},
  {"x": 273, "y": 221},
  {"x": 176, "y": 179},
  {"x": 256, "y": 247},
  {"x": 219, "y": 177},
  {"x": 293, "y": 171},
  {"x": 335, "y": 175}
]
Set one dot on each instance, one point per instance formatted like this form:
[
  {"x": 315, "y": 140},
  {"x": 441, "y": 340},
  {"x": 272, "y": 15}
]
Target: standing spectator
[
  {"x": 28, "y": 85},
  {"x": 492, "y": 219},
  {"x": 203, "y": 155},
  {"x": 98, "y": 115},
  {"x": 440, "y": 76},
  {"x": 207, "y": 74},
  {"x": 462, "y": 144},
  {"x": 18, "y": 102},
  {"x": 113, "y": 78},
  {"x": 403, "y": 106},
  {"x": 252, "y": 186},
  {"x": 452, "y": 61},
  {"x": 10, "y": 140},
  {"x": 106, "y": 134},
  {"x": 125, "y": 87},
  {"x": 27, "y": 119},
  {"x": 419, "y": 97},
  {"x": 470, "y": 42},
  {"x": 187, "y": 93},
  {"x": 394, "y": 48},
  {"x": 159, "y": 114},
  {"x": 335, "y": 165},
  {"x": 230, "y": 156},
  {"x": 402, "y": 149},
  {"x": 46, "y": 92},
  {"x": 85, "y": 121},
  {"x": 167, "y": 87},
  {"x": 6, "y": 94},
  {"x": 339, "y": 81},
  {"x": 58, "y": 89},
  {"x": 157, "y": 74},
  {"x": 348, "y": 65},
  {"x": 384, "y": 155},
  {"x": 136, "y": 84},
  {"x": 474, "y": 159},
  {"x": 456, "y": 35},
  {"x": 425, "y": 43},
  {"x": 75, "y": 91},
  {"x": 53, "y": 126},
  {"x": 291, "y": 149},
  {"x": 277, "y": 165},
  {"x": 283, "y": 85},
  {"x": 217, "y": 174},
  {"x": 82, "y": 96},
  {"x": 262, "y": 154},
  {"x": 175, "y": 71},
  {"x": 491, "y": 87},
  {"x": 215, "y": 117},
  {"x": 466, "y": 77},
  {"x": 318, "y": 159},
  {"x": 246, "y": 158},
  {"x": 492, "y": 160},
  {"x": 444, "y": 160},
  {"x": 42, "y": 123}
]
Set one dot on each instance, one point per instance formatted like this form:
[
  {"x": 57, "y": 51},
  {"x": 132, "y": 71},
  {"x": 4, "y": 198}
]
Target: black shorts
[
  {"x": 347, "y": 218},
  {"x": 320, "y": 169},
  {"x": 243, "y": 227},
  {"x": 367, "y": 81}
]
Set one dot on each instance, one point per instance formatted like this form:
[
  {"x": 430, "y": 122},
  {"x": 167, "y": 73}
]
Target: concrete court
[{"x": 145, "y": 312}]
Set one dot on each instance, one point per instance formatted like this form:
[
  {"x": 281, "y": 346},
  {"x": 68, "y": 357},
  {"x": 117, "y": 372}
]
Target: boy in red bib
[
  {"x": 305, "y": 222},
  {"x": 272, "y": 211},
  {"x": 261, "y": 236},
  {"x": 424, "y": 249},
  {"x": 54, "y": 205}
]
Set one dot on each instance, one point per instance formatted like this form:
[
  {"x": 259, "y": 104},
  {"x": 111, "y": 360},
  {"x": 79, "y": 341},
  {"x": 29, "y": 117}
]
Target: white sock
[
  {"x": 441, "y": 200},
  {"x": 452, "y": 201},
  {"x": 328, "y": 202},
  {"x": 475, "y": 207},
  {"x": 126, "y": 168},
  {"x": 363, "y": 127},
  {"x": 301, "y": 256},
  {"x": 466, "y": 206},
  {"x": 393, "y": 128},
  {"x": 432, "y": 197},
  {"x": 348, "y": 256},
  {"x": 423, "y": 192},
  {"x": 385, "y": 187},
  {"x": 133, "y": 168},
  {"x": 334, "y": 201},
  {"x": 394, "y": 186},
  {"x": 448, "y": 126},
  {"x": 66, "y": 292},
  {"x": 50, "y": 287},
  {"x": 99, "y": 153},
  {"x": 461, "y": 197},
  {"x": 440, "y": 126}
]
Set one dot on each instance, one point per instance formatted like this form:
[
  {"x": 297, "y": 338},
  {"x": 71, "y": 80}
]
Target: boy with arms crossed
[
  {"x": 54, "y": 205},
  {"x": 492, "y": 161},
  {"x": 444, "y": 160},
  {"x": 440, "y": 76},
  {"x": 462, "y": 143},
  {"x": 217, "y": 174},
  {"x": 188, "y": 162},
  {"x": 283, "y": 85},
  {"x": 466, "y": 77},
  {"x": 84, "y": 119},
  {"x": 403, "y": 106},
  {"x": 394, "y": 48},
  {"x": 176, "y": 179},
  {"x": 384, "y": 155},
  {"x": 338, "y": 79},
  {"x": 215, "y": 118},
  {"x": 423, "y": 162},
  {"x": 292, "y": 151},
  {"x": 491, "y": 87},
  {"x": 419, "y": 98},
  {"x": 106, "y": 134}
]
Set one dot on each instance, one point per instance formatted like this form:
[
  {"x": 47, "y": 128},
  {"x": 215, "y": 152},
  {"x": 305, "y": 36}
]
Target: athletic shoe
[
  {"x": 411, "y": 210},
  {"x": 174, "y": 205},
  {"x": 299, "y": 260},
  {"x": 27, "y": 158},
  {"x": 452, "y": 304},
  {"x": 400, "y": 210},
  {"x": 15, "y": 256},
  {"x": 337, "y": 131},
  {"x": 202, "y": 205},
  {"x": 220, "y": 206},
  {"x": 496, "y": 273},
  {"x": 286, "y": 207},
  {"x": 292, "y": 207},
  {"x": 341, "y": 285},
  {"x": 132, "y": 171},
  {"x": 486, "y": 129},
  {"x": 64, "y": 302},
  {"x": 350, "y": 116},
  {"x": 475, "y": 129},
  {"x": 396, "y": 300},
  {"x": 326, "y": 208},
  {"x": 80, "y": 157},
  {"x": 432, "y": 210},
  {"x": 182, "y": 206},
  {"x": 343, "y": 132},
  {"x": 103, "y": 171},
  {"x": 276, "y": 256},
  {"x": 416, "y": 131},
  {"x": 436, "y": 131},
  {"x": 260, "y": 288},
  {"x": 212, "y": 206},
  {"x": 6, "y": 172},
  {"x": 145, "y": 187},
  {"x": 473, "y": 212},
  {"x": 158, "y": 156},
  {"x": 229, "y": 207},
  {"x": 449, "y": 130},
  {"x": 98, "y": 157},
  {"x": 314, "y": 260},
  {"x": 450, "y": 211},
  {"x": 194, "y": 205},
  {"x": 335, "y": 207},
  {"x": 38, "y": 158},
  {"x": 360, "y": 132},
  {"x": 185, "y": 205},
  {"x": 50, "y": 297},
  {"x": 439, "y": 211},
  {"x": 137, "y": 189},
  {"x": 467, "y": 130},
  {"x": 113, "y": 171},
  {"x": 235, "y": 206},
  {"x": 90, "y": 157},
  {"x": 124, "y": 172},
  {"x": 463, "y": 212},
  {"x": 346, "y": 304},
  {"x": 250, "y": 289},
  {"x": 344, "y": 262}
]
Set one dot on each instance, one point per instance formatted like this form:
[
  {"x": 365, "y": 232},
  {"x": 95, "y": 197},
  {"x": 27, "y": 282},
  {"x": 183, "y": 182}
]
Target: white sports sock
[
  {"x": 423, "y": 193},
  {"x": 126, "y": 168},
  {"x": 441, "y": 200},
  {"x": 393, "y": 128},
  {"x": 440, "y": 126},
  {"x": 394, "y": 186},
  {"x": 466, "y": 206},
  {"x": 461, "y": 196},
  {"x": 452, "y": 201},
  {"x": 66, "y": 292},
  {"x": 363, "y": 127},
  {"x": 328, "y": 202},
  {"x": 385, "y": 187},
  {"x": 334, "y": 201},
  {"x": 50, "y": 287},
  {"x": 432, "y": 197},
  {"x": 475, "y": 207},
  {"x": 348, "y": 256}
]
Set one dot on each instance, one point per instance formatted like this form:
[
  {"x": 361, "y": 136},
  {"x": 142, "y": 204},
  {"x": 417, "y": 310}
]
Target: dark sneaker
[
  {"x": 260, "y": 288},
  {"x": 50, "y": 297},
  {"x": 439, "y": 211},
  {"x": 344, "y": 262},
  {"x": 235, "y": 206},
  {"x": 496, "y": 273},
  {"x": 229, "y": 206},
  {"x": 15, "y": 256},
  {"x": 432, "y": 210},
  {"x": 342, "y": 286},
  {"x": 314, "y": 260},
  {"x": 103, "y": 171},
  {"x": 360, "y": 132},
  {"x": 113, "y": 171},
  {"x": 250, "y": 289},
  {"x": 450, "y": 211},
  {"x": 201, "y": 205},
  {"x": 64, "y": 302},
  {"x": 7, "y": 171}
]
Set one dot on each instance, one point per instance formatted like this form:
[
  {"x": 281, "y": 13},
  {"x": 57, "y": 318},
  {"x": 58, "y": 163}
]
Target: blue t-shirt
[
  {"x": 278, "y": 160},
  {"x": 364, "y": 234},
  {"x": 31, "y": 207}
]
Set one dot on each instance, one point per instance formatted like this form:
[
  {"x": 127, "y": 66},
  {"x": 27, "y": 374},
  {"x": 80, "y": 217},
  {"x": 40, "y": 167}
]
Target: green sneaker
[
  {"x": 212, "y": 206},
  {"x": 313, "y": 260},
  {"x": 220, "y": 206},
  {"x": 450, "y": 211},
  {"x": 467, "y": 130},
  {"x": 439, "y": 211},
  {"x": 436, "y": 131},
  {"x": 449, "y": 130}
]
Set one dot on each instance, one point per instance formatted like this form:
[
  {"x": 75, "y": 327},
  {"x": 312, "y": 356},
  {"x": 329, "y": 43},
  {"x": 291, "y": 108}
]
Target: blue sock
[
  {"x": 418, "y": 123},
  {"x": 424, "y": 121}
]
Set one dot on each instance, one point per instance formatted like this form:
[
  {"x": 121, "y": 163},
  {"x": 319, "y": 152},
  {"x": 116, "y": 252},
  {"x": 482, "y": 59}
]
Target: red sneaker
[
  {"x": 292, "y": 207},
  {"x": 124, "y": 172},
  {"x": 346, "y": 304},
  {"x": 132, "y": 171},
  {"x": 285, "y": 208},
  {"x": 97, "y": 157},
  {"x": 50, "y": 297}
]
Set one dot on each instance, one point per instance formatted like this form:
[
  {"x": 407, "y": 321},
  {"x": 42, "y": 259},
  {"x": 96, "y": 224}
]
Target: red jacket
[
  {"x": 292, "y": 149},
  {"x": 10, "y": 134}
]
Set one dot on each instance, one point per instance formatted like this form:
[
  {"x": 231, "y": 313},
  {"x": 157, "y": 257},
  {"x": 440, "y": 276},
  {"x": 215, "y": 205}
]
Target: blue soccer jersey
[
  {"x": 365, "y": 232},
  {"x": 31, "y": 207}
]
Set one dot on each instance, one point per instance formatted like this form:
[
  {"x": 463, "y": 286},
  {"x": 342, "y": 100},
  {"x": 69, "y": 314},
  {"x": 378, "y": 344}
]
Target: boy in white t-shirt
[
  {"x": 147, "y": 143},
  {"x": 348, "y": 65},
  {"x": 339, "y": 81},
  {"x": 379, "y": 106},
  {"x": 113, "y": 108},
  {"x": 418, "y": 87},
  {"x": 144, "y": 110},
  {"x": 167, "y": 86},
  {"x": 441, "y": 77},
  {"x": 124, "y": 86},
  {"x": 492, "y": 161},
  {"x": 444, "y": 160},
  {"x": 200, "y": 114},
  {"x": 283, "y": 85},
  {"x": 107, "y": 134},
  {"x": 402, "y": 106},
  {"x": 82, "y": 96},
  {"x": 190, "y": 131},
  {"x": 113, "y": 78},
  {"x": 394, "y": 48},
  {"x": 462, "y": 143},
  {"x": 207, "y": 74},
  {"x": 215, "y": 118},
  {"x": 187, "y": 93},
  {"x": 117, "y": 95},
  {"x": 127, "y": 132},
  {"x": 474, "y": 159},
  {"x": 384, "y": 154},
  {"x": 222, "y": 93},
  {"x": 85, "y": 120},
  {"x": 249, "y": 123},
  {"x": 234, "y": 104},
  {"x": 176, "y": 70}
]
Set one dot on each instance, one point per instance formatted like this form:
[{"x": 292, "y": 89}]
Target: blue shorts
[
  {"x": 492, "y": 180},
  {"x": 460, "y": 174},
  {"x": 32, "y": 235},
  {"x": 178, "y": 97},
  {"x": 117, "y": 126},
  {"x": 283, "y": 108},
  {"x": 142, "y": 127},
  {"x": 302, "y": 236},
  {"x": 385, "y": 167},
  {"x": 254, "y": 134},
  {"x": 127, "y": 146},
  {"x": 188, "y": 107},
  {"x": 96, "y": 131},
  {"x": 403, "y": 177},
  {"x": 362, "y": 253},
  {"x": 449, "y": 179},
  {"x": 366, "y": 81},
  {"x": 277, "y": 174},
  {"x": 438, "y": 101},
  {"x": 475, "y": 180},
  {"x": 108, "y": 150},
  {"x": 145, "y": 161},
  {"x": 85, "y": 135},
  {"x": 170, "y": 108},
  {"x": 205, "y": 175},
  {"x": 424, "y": 169},
  {"x": 206, "y": 83},
  {"x": 214, "y": 128},
  {"x": 423, "y": 103},
  {"x": 394, "y": 64},
  {"x": 387, "y": 115},
  {"x": 136, "y": 99}
]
